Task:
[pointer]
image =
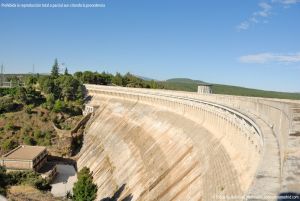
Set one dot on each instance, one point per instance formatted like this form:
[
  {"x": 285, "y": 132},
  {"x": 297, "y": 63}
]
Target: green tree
[
  {"x": 78, "y": 75},
  {"x": 69, "y": 86},
  {"x": 47, "y": 85},
  {"x": 55, "y": 69},
  {"x": 28, "y": 95},
  {"x": 118, "y": 79},
  {"x": 84, "y": 189},
  {"x": 3, "y": 180},
  {"x": 153, "y": 84},
  {"x": 66, "y": 71},
  {"x": 58, "y": 106},
  {"x": 30, "y": 80},
  {"x": 88, "y": 77},
  {"x": 80, "y": 92},
  {"x": 50, "y": 100},
  {"x": 33, "y": 96},
  {"x": 21, "y": 95}
]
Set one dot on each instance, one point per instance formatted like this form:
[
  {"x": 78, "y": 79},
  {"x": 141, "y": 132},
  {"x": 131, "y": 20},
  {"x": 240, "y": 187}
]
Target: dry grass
[{"x": 29, "y": 193}]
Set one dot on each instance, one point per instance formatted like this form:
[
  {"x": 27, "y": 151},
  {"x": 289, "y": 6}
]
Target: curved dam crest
[{"x": 164, "y": 145}]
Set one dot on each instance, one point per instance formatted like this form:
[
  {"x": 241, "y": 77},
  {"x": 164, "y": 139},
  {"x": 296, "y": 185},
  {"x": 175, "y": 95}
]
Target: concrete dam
[{"x": 148, "y": 145}]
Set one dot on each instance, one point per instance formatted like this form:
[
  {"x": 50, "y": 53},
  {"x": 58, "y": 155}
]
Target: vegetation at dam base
[
  {"x": 84, "y": 188},
  {"x": 14, "y": 178}
]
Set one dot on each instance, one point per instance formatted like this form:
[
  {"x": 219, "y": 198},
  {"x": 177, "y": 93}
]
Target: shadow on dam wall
[{"x": 117, "y": 195}]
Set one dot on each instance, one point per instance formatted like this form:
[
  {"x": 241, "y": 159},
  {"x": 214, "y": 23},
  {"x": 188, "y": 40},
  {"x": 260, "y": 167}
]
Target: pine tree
[
  {"x": 84, "y": 189},
  {"x": 55, "y": 69},
  {"x": 66, "y": 71}
]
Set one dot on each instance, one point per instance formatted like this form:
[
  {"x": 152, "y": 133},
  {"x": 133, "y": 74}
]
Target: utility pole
[
  {"x": 2, "y": 75},
  {"x": 33, "y": 69}
]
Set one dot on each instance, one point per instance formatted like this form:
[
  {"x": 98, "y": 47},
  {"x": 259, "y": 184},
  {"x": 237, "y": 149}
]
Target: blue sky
[{"x": 240, "y": 42}]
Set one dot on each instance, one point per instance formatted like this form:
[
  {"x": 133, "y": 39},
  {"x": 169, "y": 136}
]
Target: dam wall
[
  {"x": 282, "y": 118},
  {"x": 251, "y": 135}
]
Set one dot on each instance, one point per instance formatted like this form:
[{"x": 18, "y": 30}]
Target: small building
[
  {"x": 25, "y": 158},
  {"x": 204, "y": 88},
  {"x": 88, "y": 109}
]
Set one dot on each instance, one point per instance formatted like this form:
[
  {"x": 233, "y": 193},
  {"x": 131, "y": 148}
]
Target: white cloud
[
  {"x": 243, "y": 26},
  {"x": 270, "y": 57},
  {"x": 287, "y": 1},
  {"x": 266, "y": 8},
  {"x": 254, "y": 20},
  {"x": 265, "y": 11}
]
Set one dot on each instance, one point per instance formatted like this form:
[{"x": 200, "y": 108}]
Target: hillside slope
[{"x": 185, "y": 84}]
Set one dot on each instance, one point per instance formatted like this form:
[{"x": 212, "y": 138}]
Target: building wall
[
  {"x": 17, "y": 164},
  {"x": 204, "y": 90},
  {"x": 38, "y": 165}
]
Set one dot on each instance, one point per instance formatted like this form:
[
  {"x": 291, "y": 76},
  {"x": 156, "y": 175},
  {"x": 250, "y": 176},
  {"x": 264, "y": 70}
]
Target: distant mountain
[
  {"x": 185, "y": 80},
  {"x": 185, "y": 84},
  {"x": 145, "y": 78},
  {"x": 182, "y": 84}
]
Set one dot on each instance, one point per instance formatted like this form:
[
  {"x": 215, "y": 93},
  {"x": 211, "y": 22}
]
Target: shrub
[
  {"x": 48, "y": 134},
  {"x": 66, "y": 127},
  {"x": 9, "y": 126},
  {"x": 7, "y": 91},
  {"x": 27, "y": 128},
  {"x": 42, "y": 184},
  {"x": 84, "y": 188},
  {"x": 44, "y": 119},
  {"x": 28, "y": 95},
  {"x": 29, "y": 140},
  {"x": 42, "y": 137},
  {"x": 8, "y": 144},
  {"x": 58, "y": 106},
  {"x": 50, "y": 101},
  {"x": 7, "y": 104},
  {"x": 3, "y": 181},
  {"x": 29, "y": 108},
  {"x": 29, "y": 178},
  {"x": 38, "y": 134}
]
